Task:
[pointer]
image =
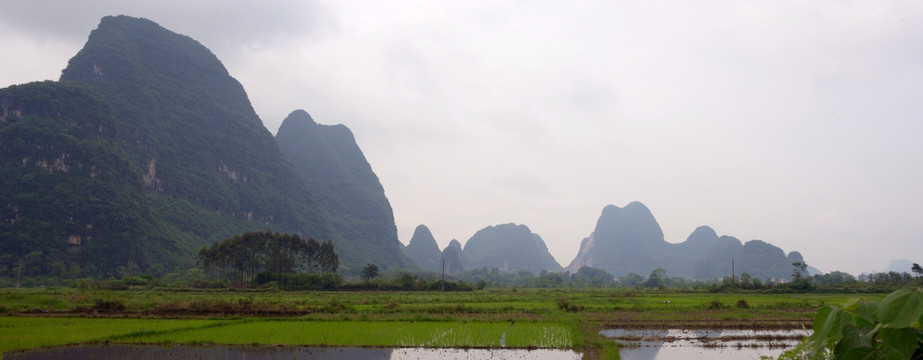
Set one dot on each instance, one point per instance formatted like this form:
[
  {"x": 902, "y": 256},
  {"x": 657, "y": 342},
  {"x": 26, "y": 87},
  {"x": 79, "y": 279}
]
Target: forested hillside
[{"x": 146, "y": 150}]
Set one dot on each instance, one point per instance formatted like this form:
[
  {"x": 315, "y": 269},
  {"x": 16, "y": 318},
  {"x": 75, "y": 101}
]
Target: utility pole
[
  {"x": 131, "y": 274},
  {"x": 443, "y": 274},
  {"x": 733, "y": 275},
  {"x": 18, "y": 273}
]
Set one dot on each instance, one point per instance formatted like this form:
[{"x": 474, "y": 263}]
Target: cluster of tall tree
[{"x": 241, "y": 257}]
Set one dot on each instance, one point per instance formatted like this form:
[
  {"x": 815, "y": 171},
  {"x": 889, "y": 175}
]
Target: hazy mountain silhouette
[
  {"x": 347, "y": 190},
  {"x": 424, "y": 250},
  {"x": 455, "y": 259},
  {"x": 630, "y": 240},
  {"x": 509, "y": 247}
]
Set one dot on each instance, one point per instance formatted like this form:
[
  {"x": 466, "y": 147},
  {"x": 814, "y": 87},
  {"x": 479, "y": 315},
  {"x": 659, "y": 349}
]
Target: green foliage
[
  {"x": 108, "y": 305},
  {"x": 715, "y": 304},
  {"x": 70, "y": 206},
  {"x": 565, "y": 305},
  {"x": 406, "y": 281},
  {"x": 890, "y": 329},
  {"x": 834, "y": 278},
  {"x": 370, "y": 272},
  {"x": 590, "y": 276},
  {"x": 242, "y": 256},
  {"x": 326, "y": 281},
  {"x": 656, "y": 279}
]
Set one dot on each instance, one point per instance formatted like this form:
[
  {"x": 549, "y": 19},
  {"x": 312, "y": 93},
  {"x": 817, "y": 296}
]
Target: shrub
[
  {"x": 565, "y": 305},
  {"x": 714, "y": 305},
  {"x": 82, "y": 284},
  {"x": 742, "y": 304},
  {"x": 336, "y": 307},
  {"x": 108, "y": 305}
]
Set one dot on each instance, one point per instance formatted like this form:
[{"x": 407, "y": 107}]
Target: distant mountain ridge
[
  {"x": 506, "y": 247},
  {"x": 629, "y": 240},
  {"x": 147, "y": 148},
  {"x": 164, "y": 154}
]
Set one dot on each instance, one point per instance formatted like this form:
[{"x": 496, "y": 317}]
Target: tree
[
  {"x": 799, "y": 280},
  {"x": 369, "y": 272},
  {"x": 328, "y": 260},
  {"x": 917, "y": 269},
  {"x": 631, "y": 279},
  {"x": 745, "y": 281},
  {"x": 798, "y": 272},
  {"x": 549, "y": 279},
  {"x": 657, "y": 278},
  {"x": 592, "y": 276},
  {"x": 241, "y": 257}
]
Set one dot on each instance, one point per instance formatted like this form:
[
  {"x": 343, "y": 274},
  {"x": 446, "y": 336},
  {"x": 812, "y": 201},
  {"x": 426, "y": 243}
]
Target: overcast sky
[{"x": 799, "y": 123}]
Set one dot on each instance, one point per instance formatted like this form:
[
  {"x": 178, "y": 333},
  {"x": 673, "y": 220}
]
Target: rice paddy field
[{"x": 493, "y": 318}]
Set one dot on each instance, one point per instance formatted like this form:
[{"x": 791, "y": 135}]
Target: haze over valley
[{"x": 791, "y": 129}]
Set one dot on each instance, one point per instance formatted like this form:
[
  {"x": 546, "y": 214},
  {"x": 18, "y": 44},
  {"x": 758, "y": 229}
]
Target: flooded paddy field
[
  {"x": 155, "y": 352},
  {"x": 640, "y": 344},
  {"x": 394, "y": 322}
]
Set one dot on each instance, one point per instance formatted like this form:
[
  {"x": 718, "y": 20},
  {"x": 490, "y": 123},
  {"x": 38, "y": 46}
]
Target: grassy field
[{"x": 521, "y": 317}]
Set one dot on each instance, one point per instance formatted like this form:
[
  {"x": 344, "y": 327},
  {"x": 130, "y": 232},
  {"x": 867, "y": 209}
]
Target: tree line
[{"x": 241, "y": 257}]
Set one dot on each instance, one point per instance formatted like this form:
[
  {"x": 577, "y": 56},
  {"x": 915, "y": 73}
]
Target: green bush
[
  {"x": 714, "y": 305},
  {"x": 109, "y": 305},
  {"x": 565, "y": 305}
]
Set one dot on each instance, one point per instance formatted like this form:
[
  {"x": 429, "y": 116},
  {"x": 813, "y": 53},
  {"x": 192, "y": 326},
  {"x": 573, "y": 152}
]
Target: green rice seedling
[{"x": 20, "y": 333}]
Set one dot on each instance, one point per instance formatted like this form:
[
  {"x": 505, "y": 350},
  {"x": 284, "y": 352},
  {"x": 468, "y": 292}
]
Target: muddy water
[
  {"x": 703, "y": 344},
  {"x": 151, "y": 352}
]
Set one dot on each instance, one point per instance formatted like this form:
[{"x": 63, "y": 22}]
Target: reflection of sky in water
[
  {"x": 704, "y": 344},
  {"x": 472, "y": 354},
  {"x": 670, "y": 351},
  {"x": 151, "y": 352}
]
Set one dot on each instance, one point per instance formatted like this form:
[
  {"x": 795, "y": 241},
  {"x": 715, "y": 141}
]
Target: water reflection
[
  {"x": 703, "y": 344},
  {"x": 150, "y": 352}
]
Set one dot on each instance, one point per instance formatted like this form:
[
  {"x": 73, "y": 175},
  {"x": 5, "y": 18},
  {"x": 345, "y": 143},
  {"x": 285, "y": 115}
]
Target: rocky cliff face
[
  {"x": 424, "y": 250},
  {"x": 629, "y": 240},
  {"x": 509, "y": 247}
]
